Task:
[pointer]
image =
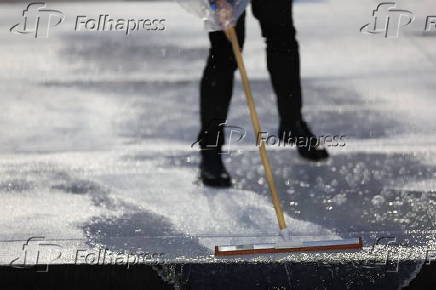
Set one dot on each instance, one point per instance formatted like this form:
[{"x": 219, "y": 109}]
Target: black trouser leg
[
  {"x": 216, "y": 86},
  {"x": 283, "y": 59}
]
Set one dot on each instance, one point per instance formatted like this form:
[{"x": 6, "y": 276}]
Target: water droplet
[{"x": 378, "y": 200}]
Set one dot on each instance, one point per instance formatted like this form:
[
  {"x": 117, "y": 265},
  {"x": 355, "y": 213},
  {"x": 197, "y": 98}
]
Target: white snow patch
[
  {"x": 203, "y": 212},
  {"x": 41, "y": 213}
]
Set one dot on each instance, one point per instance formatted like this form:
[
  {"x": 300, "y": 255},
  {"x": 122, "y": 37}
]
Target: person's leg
[
  {"x": 283, "y": 62},
  {"x": 283, "y": 59},
  {"x": 216, "y": 89},
  {"x": 216, "y": 86}
]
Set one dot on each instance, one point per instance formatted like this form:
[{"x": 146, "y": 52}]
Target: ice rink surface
[{"x": 96, "y": 131}]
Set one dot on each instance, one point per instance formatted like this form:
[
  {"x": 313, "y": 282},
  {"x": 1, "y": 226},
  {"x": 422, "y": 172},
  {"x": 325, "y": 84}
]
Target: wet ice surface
[{"x": 96, "y": 131}]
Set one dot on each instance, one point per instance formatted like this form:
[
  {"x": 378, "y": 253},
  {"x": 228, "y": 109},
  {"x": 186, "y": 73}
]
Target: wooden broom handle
[{"x": 231, "y": 35}]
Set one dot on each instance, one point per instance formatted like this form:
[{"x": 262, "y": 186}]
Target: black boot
[
  {"x": 305, "y": 141},
  {"x": 212, "y": 170}
]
